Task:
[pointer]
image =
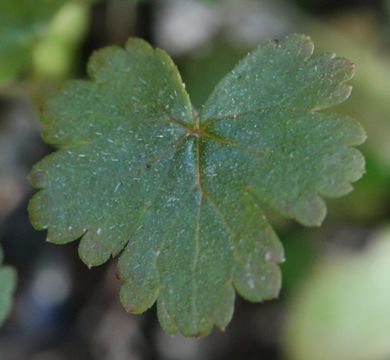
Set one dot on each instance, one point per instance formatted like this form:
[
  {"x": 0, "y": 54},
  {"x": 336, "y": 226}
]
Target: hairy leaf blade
[
  {"x": 182, "y": 195},
  {"x": 278, "y": 143}
]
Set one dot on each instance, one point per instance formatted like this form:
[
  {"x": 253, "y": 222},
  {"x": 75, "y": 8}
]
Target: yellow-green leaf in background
[
  {"x": 39, "y": 36},
  {"x": 342, "y": 311}
]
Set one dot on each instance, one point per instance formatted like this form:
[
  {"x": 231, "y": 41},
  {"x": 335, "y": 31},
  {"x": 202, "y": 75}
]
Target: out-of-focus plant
[
  {"x": 371, "y": 84},
  {"x": 38, "y": 38},
  {"x": 7, "y": 287},
  {"x": 342, "y": 310}
]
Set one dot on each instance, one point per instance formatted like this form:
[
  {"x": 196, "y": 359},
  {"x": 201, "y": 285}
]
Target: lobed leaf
[{"x": 180, "y": 196}]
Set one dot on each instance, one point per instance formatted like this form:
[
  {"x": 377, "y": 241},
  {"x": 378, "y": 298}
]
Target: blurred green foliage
[
  {"x": 22, "y": 23},
  {"x": 342, "y": 310},
  {"x": 301, "y": 253},
  {"x": 39, "y": 36},
  {"x": 203, "y": 70},
  {"x": 7, "y": 288}
]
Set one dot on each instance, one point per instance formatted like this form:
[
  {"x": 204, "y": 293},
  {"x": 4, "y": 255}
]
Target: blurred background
[{"x": 335, "y": 301}]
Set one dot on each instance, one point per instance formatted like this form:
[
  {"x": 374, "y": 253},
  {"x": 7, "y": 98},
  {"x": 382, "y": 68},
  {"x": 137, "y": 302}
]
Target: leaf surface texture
[{"x": 180, "y": 195}]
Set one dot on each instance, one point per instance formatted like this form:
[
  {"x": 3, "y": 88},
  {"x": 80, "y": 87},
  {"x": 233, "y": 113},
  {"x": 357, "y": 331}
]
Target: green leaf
[
  {"x": 22, "y": 24},
  {"x": 181, "y": 195},
  {"x": 7, "y": 288}
]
